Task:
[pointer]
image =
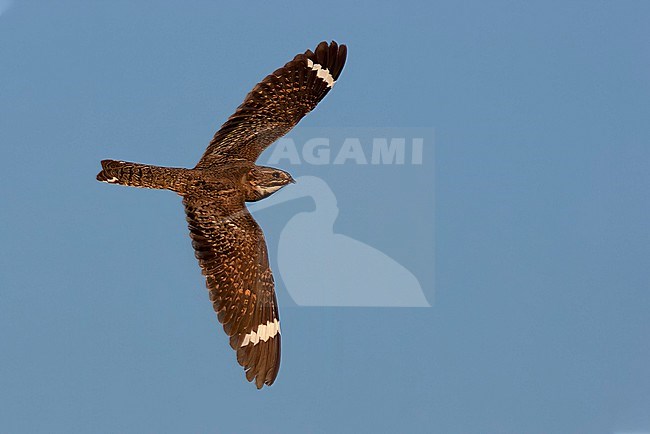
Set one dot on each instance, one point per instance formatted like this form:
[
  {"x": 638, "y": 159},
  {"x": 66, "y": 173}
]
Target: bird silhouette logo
[{"x": 323, "y": 268}]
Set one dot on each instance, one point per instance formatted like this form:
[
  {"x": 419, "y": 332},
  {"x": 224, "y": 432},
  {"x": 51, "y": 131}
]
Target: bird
[{"x": 228, "y": 243}]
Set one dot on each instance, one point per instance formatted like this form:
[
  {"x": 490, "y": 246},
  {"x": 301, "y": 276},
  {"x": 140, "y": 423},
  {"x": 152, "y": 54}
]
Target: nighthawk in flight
[{"x": 228, "y": 243}]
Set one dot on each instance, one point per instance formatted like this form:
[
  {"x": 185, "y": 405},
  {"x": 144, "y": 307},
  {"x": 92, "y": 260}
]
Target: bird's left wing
[
  {"x": 276, "y": 105},
  {"x": 232, "y": 253}
]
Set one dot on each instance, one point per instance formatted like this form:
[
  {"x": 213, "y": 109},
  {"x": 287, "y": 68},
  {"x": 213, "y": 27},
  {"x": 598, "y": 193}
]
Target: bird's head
[{"x": 264, "y": 181}]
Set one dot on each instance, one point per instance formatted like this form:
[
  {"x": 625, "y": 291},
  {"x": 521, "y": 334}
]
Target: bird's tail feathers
[{"x": 141, "y": 175}]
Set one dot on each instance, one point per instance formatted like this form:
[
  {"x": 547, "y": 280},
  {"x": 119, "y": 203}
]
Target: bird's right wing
[
  {"x": 232, "y": 254},
  {"x": 276, "y": 105}
]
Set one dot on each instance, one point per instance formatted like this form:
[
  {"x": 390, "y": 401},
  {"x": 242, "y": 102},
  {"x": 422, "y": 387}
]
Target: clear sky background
[{"x": 540, "y": 318}]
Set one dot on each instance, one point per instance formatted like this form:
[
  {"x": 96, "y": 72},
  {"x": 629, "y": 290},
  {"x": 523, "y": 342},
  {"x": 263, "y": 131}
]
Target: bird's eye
[{"x": 276, "y": 175}]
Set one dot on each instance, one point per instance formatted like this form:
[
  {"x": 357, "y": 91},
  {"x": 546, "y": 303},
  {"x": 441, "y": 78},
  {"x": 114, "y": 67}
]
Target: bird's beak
[{"x": 291, "y": 180}]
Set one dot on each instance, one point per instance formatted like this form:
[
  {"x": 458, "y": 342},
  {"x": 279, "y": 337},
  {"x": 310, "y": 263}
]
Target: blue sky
[{"x": 534, "y": 253}]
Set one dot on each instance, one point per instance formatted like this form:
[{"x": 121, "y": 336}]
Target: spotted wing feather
[
  {"x": 276, "y": 105},
  {"x": 231, "y": 251}
]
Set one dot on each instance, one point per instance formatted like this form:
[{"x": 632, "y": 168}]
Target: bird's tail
[{"x": 142, "y": 175}]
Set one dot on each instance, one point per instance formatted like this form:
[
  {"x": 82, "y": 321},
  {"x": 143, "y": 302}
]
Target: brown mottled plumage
[{"x": 228, "y": 243}]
